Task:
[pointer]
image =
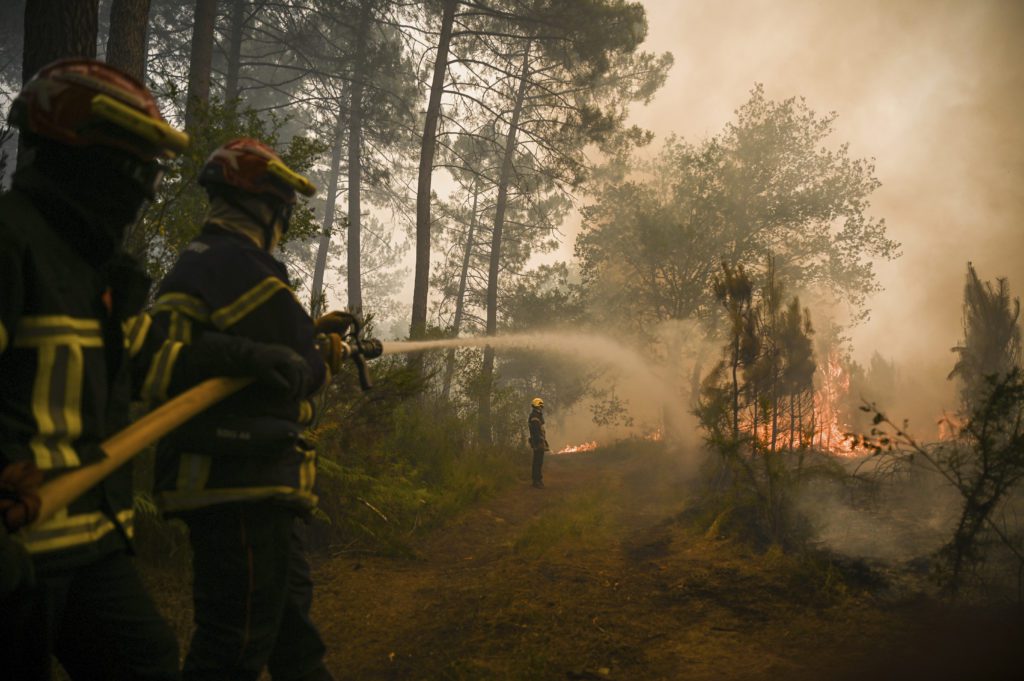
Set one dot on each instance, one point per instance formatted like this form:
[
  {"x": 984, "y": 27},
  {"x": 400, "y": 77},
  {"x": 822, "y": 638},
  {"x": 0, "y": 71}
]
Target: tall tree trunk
[
  {"x": 234, "y": 65},
  {"x": 355, "y": 164},
  {"x": 126, "y": 44},
  {"x": 201, "y": 60},
  {"x": 316, "y": 293},
  {"x": 460, "y": 299},
  {"x": 55, "y": 29},
  {"x": 792, "y": 419},
  {"x": 736, "y": 388},
  {"x": 487, "y": 375},
  {"x": 421, "y": 281}
]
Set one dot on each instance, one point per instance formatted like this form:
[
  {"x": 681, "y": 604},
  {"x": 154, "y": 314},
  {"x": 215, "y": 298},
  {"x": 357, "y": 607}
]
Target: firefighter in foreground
[
  {"x": 240, "y": 474},
  {"x": 74, "y": 350},
  {"x": 538, "y": 440}
]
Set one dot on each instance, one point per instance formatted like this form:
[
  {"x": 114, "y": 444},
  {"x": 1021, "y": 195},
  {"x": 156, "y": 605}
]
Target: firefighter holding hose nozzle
[
  {"x": 75, "y": 349},
  {"x": 241, "y": 474}
]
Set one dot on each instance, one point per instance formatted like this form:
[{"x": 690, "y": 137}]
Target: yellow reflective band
[
  {"x": 41, "y": 330},
  {"x": 135, "y": 331},
  {"x": 158, "y": 378},
  {"x": 151, "y": 129},
  {"x": 72, "y": 404},
  {"x": 260, "y": 293},
  {"x": 41, "y": 408},
  {"x": 63, "y": 531},
  {"x": 3, "y": 337},
  {"x": 306, "y": 412},
  {"x": 307, "y": 472},
  {"x": 298, "y": 182},
  {"x": 183, "y": 303},
  {"x": 57, "y": 406}
]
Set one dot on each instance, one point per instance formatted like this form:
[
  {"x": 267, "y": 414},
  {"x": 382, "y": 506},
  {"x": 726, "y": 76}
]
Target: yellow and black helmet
[
  {"x": 250, "y": 166},
  {"x": 537, "y": 403},
  {"x": 83, "y": 103}
]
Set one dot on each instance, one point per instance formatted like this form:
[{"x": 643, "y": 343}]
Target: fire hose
[
  {"x": 123, "y": 446},
  {"x": 126, "y": 444}
]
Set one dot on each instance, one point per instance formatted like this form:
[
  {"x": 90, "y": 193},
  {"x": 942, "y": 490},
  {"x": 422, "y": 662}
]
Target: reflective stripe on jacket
[
  {"x": 249, "y": 447},
  {"x": 65, "y": 374}
]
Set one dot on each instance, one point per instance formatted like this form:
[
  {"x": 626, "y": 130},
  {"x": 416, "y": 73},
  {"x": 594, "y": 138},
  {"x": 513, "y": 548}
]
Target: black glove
[
  {"x": 281, "y": 368},
  {"x": 217, "y": 354},
  {"x": 335, "y": 322}
]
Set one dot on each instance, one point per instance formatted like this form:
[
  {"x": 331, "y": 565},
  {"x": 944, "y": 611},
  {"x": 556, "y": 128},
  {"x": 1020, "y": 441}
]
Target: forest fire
[
  {"x": 828, "y": 433},
  {"x": 577, "y": 449}
]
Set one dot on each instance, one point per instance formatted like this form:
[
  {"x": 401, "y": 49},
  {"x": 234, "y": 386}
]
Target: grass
[{"x": 581, "y": 520}]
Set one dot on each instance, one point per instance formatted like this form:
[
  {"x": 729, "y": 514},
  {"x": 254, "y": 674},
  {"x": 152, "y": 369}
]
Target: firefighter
[
  {"x": 74, "y": 351},
  {"x": 538, "y": 440},
  {"x": 241, "y": 474}
]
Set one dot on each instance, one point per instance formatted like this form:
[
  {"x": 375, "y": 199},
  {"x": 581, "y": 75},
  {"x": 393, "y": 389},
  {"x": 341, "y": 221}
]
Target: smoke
[
  {"x": 933, "y": 90},
  {"x": 650, "y": 388}
]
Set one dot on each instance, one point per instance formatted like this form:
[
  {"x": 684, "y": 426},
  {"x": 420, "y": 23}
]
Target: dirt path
[
  {"x": 601, "y": 575},
  {"x": 595, "y": 577}
]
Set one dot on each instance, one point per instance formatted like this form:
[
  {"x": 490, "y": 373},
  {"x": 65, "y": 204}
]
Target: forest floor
[{"x": 600, "y": 575}]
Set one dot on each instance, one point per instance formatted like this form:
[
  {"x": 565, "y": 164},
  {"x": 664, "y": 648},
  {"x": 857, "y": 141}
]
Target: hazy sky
[{"x": 932, "y": 89}]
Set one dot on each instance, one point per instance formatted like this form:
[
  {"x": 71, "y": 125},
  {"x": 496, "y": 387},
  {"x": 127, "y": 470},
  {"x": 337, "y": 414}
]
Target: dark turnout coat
[
  {"x": 71, "y": 362},
  {"x": 248, "y": 448},
  {"x": 538, "y": 437}
]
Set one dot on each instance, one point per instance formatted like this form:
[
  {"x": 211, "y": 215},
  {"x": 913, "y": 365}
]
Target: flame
[
  {"x": 950, "y": 426},
  {"x": 828, "y": 433},
  {"x": 574, "y": 449},
  {"x": 800, "y": 424},
  {"x": 654, "y": 436}
]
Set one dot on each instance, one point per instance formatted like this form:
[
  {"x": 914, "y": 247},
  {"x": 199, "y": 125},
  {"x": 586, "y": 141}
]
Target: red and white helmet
[
  {"x": 83, "y": 102},
  {"x": 254, "y": 168}
]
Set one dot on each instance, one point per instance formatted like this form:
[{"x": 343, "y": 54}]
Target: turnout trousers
[
  {"x": 252, "y": 592},
  {"x": 538, "y": 463},
  {"x": 97, "y": 619}
]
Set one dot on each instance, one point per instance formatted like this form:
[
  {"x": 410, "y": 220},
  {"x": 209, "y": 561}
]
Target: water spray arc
[{"x": 580, "y": 347}]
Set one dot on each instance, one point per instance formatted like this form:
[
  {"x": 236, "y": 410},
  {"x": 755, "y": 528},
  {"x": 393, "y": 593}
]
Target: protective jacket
[
  {"x": 244, "y": 449},
  {"x": 538, "y": 438},
  {"x": 71, "y": 360}
]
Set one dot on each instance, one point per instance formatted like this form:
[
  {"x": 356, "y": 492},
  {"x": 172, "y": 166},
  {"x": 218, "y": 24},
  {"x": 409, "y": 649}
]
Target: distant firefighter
[{"x": 538, "y": 440}]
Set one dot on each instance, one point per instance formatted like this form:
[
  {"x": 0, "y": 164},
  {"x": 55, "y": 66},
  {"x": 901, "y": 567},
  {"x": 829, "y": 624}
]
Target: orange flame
[
  {"x": 950, "y": 426},
  {"x": 575, "y": 449},
  {"x": 829, "y": 434}
]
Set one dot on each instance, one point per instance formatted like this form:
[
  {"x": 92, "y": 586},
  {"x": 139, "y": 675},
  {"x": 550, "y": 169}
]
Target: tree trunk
[
  {"x": 792, "y": 419},
  {"x": 55, "y": 29},
  {"x": 735, "y": 389},
  {"x": 355, "y": 165},
  {"x": 234, "y": 56},
  {"x": 421, "y": 281},
  {"x": 495, "y": 264},
  {"x": 126, "y": 44},
  {"x": 201, "y": 60},
  {"x": 449, "y": 363},
  {"x": 316, "y": 292}
]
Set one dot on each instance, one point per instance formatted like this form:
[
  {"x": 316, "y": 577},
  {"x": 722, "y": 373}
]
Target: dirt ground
[{"x": 600, "y": 576}]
